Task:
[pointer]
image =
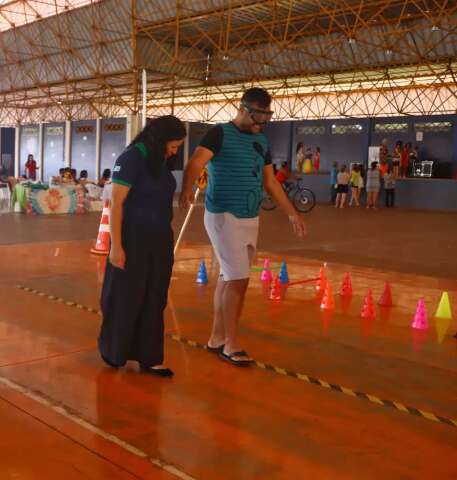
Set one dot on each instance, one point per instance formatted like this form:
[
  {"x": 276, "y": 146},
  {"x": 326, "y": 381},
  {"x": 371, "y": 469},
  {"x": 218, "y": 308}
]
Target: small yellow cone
[{"x": 444, "y": 307}]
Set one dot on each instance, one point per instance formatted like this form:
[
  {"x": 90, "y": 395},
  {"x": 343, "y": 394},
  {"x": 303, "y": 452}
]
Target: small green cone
[{"x": 444, "y": 307}]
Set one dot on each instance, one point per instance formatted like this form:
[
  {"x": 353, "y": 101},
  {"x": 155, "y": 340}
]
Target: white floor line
[{"x": 62, "y": 410}]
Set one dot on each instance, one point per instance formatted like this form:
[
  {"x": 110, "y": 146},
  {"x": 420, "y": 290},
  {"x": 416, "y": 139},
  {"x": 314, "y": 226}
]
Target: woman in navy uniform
[{"x": 137, "y": 277}]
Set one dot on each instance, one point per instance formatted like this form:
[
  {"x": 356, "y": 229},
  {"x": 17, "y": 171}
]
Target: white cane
[{"x": 186, "y": 221}]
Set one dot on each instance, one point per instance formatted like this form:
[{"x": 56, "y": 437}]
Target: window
[
  {"x": 311, "y": 130},
  {"x": 434, "y": 127},
  {"x": 354, "y": 128},
  {"x": 390, "y": 127}
]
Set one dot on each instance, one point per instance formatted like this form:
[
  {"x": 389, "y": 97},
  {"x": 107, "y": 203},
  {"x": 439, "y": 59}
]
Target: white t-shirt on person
[{"x": 343, "y": 178}]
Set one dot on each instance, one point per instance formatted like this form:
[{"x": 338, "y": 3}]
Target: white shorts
[{"x": 234, "y": 240}]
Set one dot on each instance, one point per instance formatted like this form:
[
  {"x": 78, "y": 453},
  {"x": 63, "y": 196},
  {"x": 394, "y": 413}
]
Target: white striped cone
[{"x": 103, "y": 239}]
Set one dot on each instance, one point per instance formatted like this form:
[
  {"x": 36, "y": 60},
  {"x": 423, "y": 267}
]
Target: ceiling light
[
  {"x": 388, "y": 51},
  {"x": 352, "y": 40},
  {"x": 435, "y": 28}
]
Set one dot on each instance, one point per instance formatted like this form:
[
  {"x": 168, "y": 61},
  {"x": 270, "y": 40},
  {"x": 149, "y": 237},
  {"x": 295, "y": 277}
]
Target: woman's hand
[{"x": 117, "y": 257}]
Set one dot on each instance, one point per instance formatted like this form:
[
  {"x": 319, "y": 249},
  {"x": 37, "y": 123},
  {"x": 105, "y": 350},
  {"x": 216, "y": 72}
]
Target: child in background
[
  {"x": 283, "y": 174},
  {"x": 355, "y": 183},
  {"x": 342, "y": 180},
  {"x": 373, "y": 185},
  {"x": 333, "y": 184},
  {"x": 389, "y": 187}
]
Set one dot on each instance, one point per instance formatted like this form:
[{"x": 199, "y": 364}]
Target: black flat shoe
[
  {"x": 110, "y": 364},
  {"x": 160, "y": 372}
]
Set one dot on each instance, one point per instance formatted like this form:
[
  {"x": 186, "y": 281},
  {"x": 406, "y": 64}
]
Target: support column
[
  {"x": 40, "y": 151},
  {"x": 145, "y": 91},
  {"x": 67, "y": 155},
  {"x": 17, "y": 153},
  {"x": 98, "y": 147},
  {"x": 133, "y": 127},
  {"x": 186, "y": 144}
]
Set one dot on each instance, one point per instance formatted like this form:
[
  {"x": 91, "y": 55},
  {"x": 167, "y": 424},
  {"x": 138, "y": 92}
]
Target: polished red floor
[{"x": 212, "y": 420}]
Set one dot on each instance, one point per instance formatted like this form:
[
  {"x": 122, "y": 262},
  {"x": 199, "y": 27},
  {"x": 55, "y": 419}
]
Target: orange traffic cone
[
  {"x": 322, "y": 282},
  {"x": 346, "y": 286},
  {"x": 386, "y": 297},
  {"x": 103, "y": 239},
  {"x": 328, "y": 302},
  {"x": 275, "y": 293},
  {"x": 368, "y": 310}
]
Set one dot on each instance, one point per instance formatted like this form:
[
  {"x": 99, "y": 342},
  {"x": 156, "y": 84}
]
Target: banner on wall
[{"x": 373, "y": 155}]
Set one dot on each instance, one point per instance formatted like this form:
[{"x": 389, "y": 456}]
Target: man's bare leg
[
  {"x": 232, "y": 304},
  {"x": 217, "y": 337}
]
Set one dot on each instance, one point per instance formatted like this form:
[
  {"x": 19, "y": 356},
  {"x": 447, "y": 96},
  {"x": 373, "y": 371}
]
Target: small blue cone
[
  {"x": 283, "y": 275},
  {"x": 202, "y": 276}
]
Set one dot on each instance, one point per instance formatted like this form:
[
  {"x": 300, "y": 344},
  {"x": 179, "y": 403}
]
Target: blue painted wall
[
  {"x": 7, "y": 151},
  {"x": 53, "y": 149},
  {"x": 28, "y": 144},
  {"x": 112, "y": 142},
  {"x": 83, "y": 147}
]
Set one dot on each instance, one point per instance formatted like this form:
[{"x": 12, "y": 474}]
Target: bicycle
[{"x": 302, "y": 198}]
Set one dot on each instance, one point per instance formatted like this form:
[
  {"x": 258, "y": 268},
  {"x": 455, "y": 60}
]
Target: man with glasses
[{"x": 239, "y": 168}]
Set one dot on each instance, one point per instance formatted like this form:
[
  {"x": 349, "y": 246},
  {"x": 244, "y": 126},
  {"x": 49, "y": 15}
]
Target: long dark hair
[{"x": 155, "y": 136}]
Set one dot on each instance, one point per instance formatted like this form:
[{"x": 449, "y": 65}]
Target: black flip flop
[
  {"x": 239, "y": 363},
  {"x": 218, "y": 349},
  {"x": 160, "y": 372}
]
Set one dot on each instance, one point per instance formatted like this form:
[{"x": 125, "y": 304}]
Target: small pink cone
[
  {"x": 420, "y": 318},
  {"x": 266, "y": 275}
]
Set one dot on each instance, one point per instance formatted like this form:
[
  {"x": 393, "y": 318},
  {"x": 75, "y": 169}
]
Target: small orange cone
[
  {"x": 322, "y": 282},
  {"x": 328, "y": 302},
  {"x": 386, "y": 297},
  {"x": 275, "y": 293},
  {"x": 103, "y": 240},
  {"x": 346, "y": 286},
  {"x": 368, "y": 310}
]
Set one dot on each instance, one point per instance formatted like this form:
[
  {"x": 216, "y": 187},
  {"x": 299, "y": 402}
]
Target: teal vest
[{"x": 235, "y": 174}]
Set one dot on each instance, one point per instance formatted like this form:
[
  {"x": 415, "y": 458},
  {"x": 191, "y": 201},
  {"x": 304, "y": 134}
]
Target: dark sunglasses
[{"x": 259, "y": 116}]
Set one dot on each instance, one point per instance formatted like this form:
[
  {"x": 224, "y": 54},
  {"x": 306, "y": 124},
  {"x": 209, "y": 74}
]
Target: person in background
[
  {"x": 404, "y": 160},
  {"x": 396, "y": 157},
  {"x": 31, "y": 167},
  {"x": 317, "y": 159},
  {"x": 355, "y": 185},
  {"x": 67, "y": 178},
  {"x": 333, "y": 184},
  {"x": 74, "y": 174},
  {"x": 284, "y": 174},
  {"x": 384, "y": 151},
  {"x": 342, "y": 180},
  {"x": 300, "y": 156},
  {"x": 106, "y": 176},
  {"x": 389, "y": 188},
  {"x": 373, "y": 185},
  {"x": 83, "y": 177}
]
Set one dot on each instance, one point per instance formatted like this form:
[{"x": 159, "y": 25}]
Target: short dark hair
[{"x": 257, "y": 95}]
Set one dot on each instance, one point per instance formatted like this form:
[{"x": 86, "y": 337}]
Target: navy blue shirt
[{"x": 149, "y": 203}]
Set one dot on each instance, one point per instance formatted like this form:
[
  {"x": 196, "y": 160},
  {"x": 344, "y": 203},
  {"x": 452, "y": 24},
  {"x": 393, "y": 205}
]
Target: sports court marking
[
  {"x": 285, "y": 372},
  {"x": 65, "y": 412}
]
